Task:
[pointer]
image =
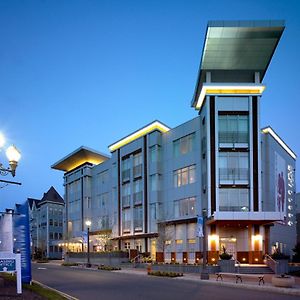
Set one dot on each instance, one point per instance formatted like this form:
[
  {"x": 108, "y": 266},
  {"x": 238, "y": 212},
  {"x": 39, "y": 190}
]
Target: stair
[{"x": 254, "y": 270}]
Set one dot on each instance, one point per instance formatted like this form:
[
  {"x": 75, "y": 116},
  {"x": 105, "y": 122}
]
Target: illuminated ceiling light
[
  {"x": 156, "y": 125},
  {"x": 280, "y": 141},
  {"x": 228, "y": 89}
]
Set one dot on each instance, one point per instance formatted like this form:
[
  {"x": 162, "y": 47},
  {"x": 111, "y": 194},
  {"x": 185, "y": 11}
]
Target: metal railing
[
  {"x": 238, "y": 265},
  {"x": 271, "y": 263}
]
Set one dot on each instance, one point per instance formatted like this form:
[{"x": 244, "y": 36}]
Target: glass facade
[
  {"x": 233, "y": 199},
  {"x": 233, "y": 129},
  {"x": 184, "y": 176},
  {"x": 185, "y": 207}
]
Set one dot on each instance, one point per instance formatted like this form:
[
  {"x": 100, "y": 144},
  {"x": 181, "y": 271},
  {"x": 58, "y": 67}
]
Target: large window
[
  {"x": 233, "y": 129},
  {"x": 184, "y": 145},
  {"x": 233, "y": 167},
  {"x": 185, "y": 207},
  {"x": 138, "y": 218},
  {"x": 155, "y": 182},
  {"x": 233, "y": 199},
  {"x": 184, "y": 176}
]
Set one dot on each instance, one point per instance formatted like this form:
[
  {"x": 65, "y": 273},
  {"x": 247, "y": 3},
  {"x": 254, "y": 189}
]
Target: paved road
[{"x": 92, "y": 285}]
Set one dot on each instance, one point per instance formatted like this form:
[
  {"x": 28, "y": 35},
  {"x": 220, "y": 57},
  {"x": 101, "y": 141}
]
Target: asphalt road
[{"x": 92, "y": 285}]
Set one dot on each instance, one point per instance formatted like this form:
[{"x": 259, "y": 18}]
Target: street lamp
[
  {"x": 88, "y": 224},
  {"x": 204, "y": 272},
  {"x": 13, "y": 156}
]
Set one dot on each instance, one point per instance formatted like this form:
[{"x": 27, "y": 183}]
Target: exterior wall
[
  {"x": 276, "y": 160},
  {"x": 46, "y": 223}
]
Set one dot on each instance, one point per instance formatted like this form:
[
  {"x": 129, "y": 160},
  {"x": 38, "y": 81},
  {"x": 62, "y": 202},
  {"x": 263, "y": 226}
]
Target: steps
[{"x": 254, "y": 270}]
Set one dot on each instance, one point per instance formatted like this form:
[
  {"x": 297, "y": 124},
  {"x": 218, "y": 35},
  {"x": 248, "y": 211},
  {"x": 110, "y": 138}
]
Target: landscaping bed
[
  {"x": 165, "y": 274},
  {"x": 8, "y": 291}
]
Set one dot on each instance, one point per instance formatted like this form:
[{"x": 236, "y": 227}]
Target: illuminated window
[
  {"x": 184, "y": 176},
  {"x": 185, "y": 207},
  {"x": 179, "y": 242},
  {"x": 191, "y": 241}
]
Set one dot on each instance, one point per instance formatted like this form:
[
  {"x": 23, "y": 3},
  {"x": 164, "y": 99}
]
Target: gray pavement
[{"x": 126, "y": 284}]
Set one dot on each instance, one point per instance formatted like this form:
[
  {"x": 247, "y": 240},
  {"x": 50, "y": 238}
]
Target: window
[
  {"x": 103, "y": 177},
  {"x": 127, "y": 245},
  {"x": 137, "y": 164},
  {"x": 233, "y": 199},
  {"x": 155, "y": 181},
  {"x": 184, "y": 176},
  {"x": 138, "y": 218},
  {"x": 179, "y": 242},
  {"x": 185, "y": 207},
  {"x": 191, "y": 241},
  {"x": 51, "y": 222},
  {"x": 126, "y": 169},
  {"x": 234, "y": 166},
  {"x": 126, "y": 216},
  {"x": 137, "y": 192},
  {"x": 184, "y": 145},
  {"x": 155, "y": 153},
  {"x": 126, "y": 194},
  {"x": 233, "y": 129}
]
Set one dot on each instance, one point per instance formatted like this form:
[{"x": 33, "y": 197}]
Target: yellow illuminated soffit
[
  {"x": 153, "y": 126},
  {"x": 280, "y": 141},
  {"x": 211, "y": 89}
]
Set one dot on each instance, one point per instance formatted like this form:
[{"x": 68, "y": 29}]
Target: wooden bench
[{"x": 239, "y": 277}]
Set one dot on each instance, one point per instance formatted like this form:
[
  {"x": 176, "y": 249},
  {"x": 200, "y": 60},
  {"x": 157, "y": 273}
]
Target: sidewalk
[{"x": 230, "y": 282}]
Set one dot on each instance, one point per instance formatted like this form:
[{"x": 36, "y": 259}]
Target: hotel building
[{"x": 146, "y": 195}]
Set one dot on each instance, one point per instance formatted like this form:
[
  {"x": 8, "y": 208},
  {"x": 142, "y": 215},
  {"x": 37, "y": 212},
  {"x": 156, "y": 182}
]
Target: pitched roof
[
  {"x": 52, "y": 196},
  {"x": 31, "y": 201}
]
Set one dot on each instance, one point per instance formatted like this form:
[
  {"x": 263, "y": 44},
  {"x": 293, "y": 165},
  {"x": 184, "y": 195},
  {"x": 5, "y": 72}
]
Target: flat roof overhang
[
  {"x": 236, "y": 50},
  {"x": 79, "y": 157},
  {"x": 155, "y": 125}
]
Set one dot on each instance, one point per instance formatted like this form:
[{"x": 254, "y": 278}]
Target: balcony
[
  {"x": 234, "y": 176},
  {"x": 230, "y": 139},
  {"x": 138, "y": 225},
  {"x": 126, "y": 225}
]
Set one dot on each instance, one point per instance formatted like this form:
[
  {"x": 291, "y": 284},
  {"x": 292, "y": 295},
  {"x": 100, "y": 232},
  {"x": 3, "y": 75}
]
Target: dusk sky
[{"x": 88, "y": 73}]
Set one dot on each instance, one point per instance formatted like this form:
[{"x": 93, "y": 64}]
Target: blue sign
[
  {"x": 200, "y": 226},
  {"x": 7, "y": 265},
  {"x": 22, "y": 239}
]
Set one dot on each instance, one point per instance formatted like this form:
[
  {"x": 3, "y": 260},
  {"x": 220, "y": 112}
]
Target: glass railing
[
  {"x": 138, "y": 198},
  {"x": 233, "y": 137}
]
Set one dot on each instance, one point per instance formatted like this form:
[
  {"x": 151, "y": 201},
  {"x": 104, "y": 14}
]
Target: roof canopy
[
  {"x": 234, "y": 50},
  {"x": 78, "y": 157}
]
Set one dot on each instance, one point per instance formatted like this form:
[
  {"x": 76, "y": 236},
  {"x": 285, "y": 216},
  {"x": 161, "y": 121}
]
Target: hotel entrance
[{"x": 229, "y": 244}]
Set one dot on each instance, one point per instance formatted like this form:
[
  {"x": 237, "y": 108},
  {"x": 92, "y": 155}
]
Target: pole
[
  {"x": 88, "y": 265},
  {"x": 204, "y": 272}
]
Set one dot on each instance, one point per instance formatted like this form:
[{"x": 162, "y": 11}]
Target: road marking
[{"x": 40, "y": 268}]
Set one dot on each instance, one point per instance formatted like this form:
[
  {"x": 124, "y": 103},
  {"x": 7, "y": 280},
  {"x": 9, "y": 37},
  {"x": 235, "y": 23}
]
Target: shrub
[
  {"x": 65, "y": 264},
  {"x": 165, "y": 274},
  {"x": 225, "y": 255},
  {"x": 108, "y": 268}
]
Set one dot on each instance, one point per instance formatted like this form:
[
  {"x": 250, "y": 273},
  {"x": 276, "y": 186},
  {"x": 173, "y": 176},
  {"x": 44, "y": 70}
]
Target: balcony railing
[
  {"x": 234, "y": 174},
  {"x": 233, "y": 137}
]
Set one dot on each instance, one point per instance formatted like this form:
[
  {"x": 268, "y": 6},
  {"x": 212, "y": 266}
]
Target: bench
[{"x": 239, "y": 277}]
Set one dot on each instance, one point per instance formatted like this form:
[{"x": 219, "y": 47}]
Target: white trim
[
  {"x": 250, "y": 120},
  {"x": 280, "y": 141}
]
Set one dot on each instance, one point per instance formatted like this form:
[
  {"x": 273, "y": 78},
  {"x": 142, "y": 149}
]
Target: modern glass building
[{"x": 146, "y": 195}]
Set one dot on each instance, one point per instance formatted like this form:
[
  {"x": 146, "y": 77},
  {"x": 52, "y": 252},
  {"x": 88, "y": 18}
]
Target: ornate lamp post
[
  {"x": 13, "y": 156},
  {"x": 88, "y": 224}
]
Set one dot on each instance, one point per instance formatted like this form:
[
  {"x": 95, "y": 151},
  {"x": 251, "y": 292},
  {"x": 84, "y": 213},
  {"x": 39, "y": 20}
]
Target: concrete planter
[
  {"x": 283, "y": 281},
  {"x": 227, "y": 266}
]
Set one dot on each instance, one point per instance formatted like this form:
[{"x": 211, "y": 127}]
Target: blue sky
[{"x": 88, "y": 73}]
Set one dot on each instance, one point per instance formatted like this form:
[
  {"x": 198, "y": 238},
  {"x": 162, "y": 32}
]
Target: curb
[
  {"x": 55, "y": 290},
  {"x": 263, "y": 288}
]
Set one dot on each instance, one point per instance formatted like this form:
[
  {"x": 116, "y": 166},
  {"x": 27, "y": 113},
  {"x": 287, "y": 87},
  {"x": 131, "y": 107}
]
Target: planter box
[
  {"x": 286, "y": 281},
  {"x": 227, "y": 266}
]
